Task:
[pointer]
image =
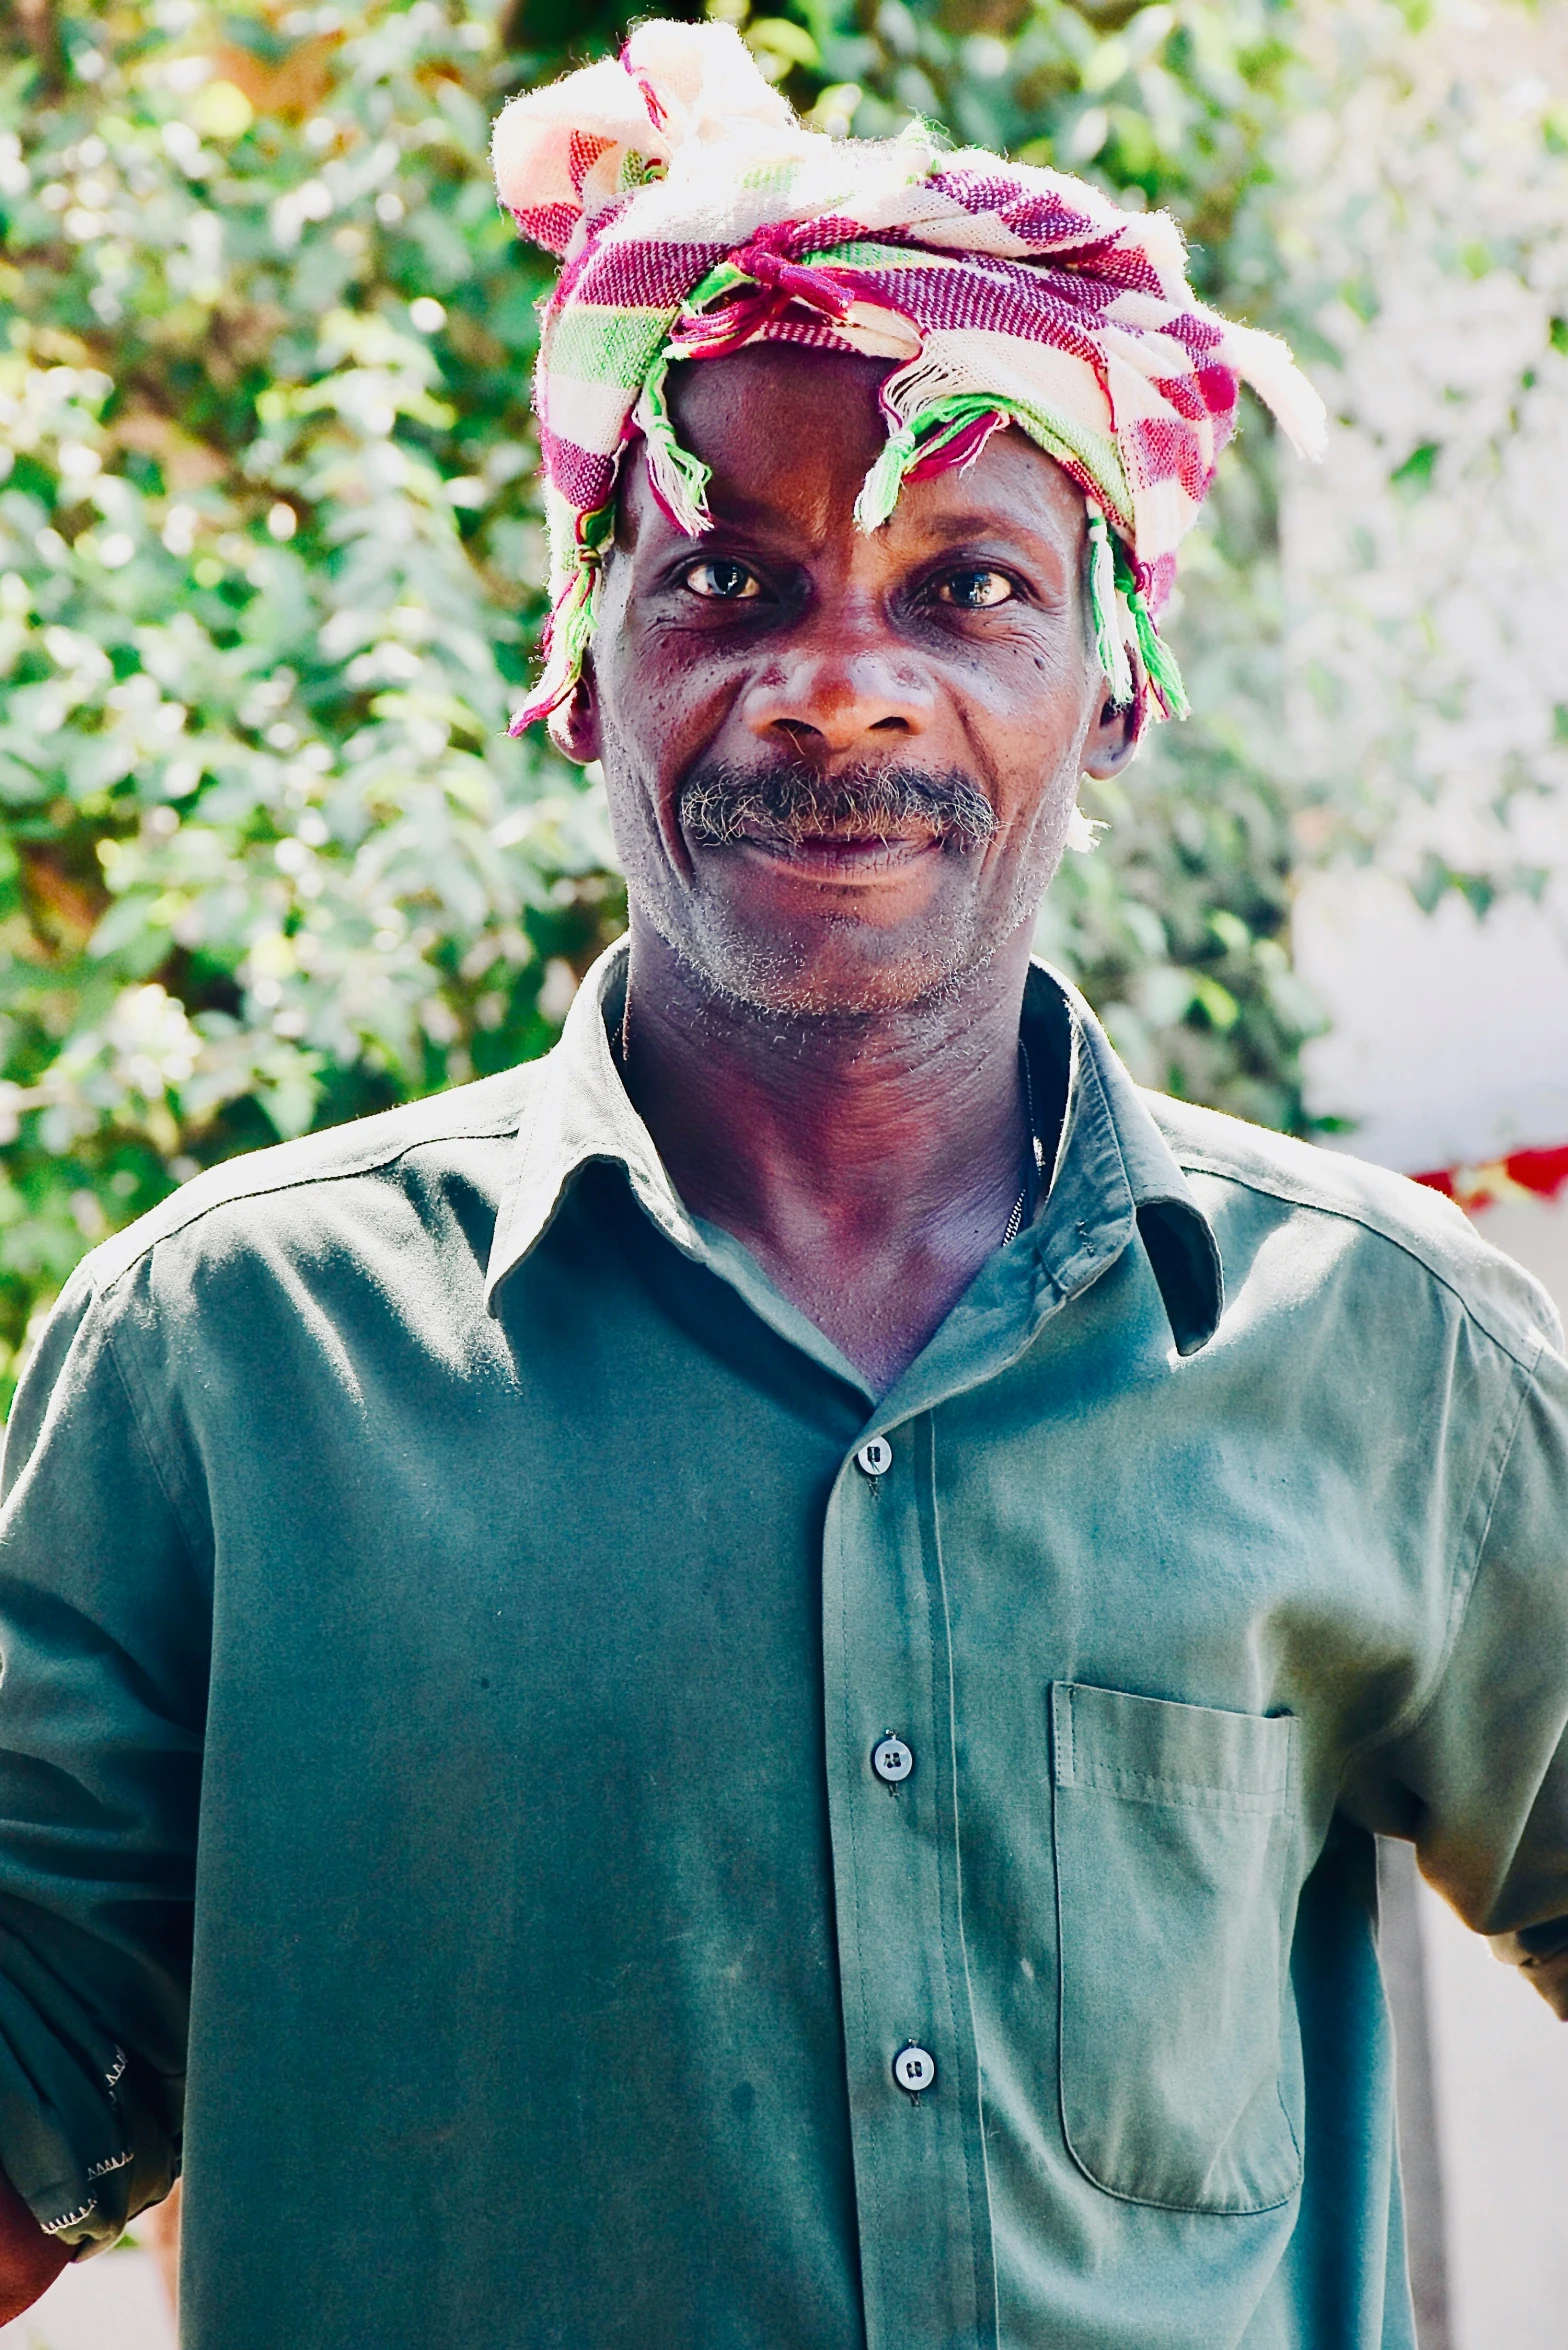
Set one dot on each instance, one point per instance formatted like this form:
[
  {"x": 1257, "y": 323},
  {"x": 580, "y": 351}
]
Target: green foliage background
[{"x": 270, "y": 566}]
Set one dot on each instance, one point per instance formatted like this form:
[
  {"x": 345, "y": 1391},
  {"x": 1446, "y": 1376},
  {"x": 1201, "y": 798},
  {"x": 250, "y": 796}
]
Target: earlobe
[
  {"x": 1113, "y": 737},
  {"x": 574, "y": 727}
]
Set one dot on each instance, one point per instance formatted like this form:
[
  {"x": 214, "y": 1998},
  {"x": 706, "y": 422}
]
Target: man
[{"x": 736, "y": 1688}]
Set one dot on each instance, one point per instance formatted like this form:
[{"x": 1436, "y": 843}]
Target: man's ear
[
  {"x": 1113, "y": 737},
  {"x": 574, "y": 727}
]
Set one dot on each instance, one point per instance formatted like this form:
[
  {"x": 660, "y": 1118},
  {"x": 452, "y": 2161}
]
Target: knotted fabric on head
[{"x": 694, "y": 213}]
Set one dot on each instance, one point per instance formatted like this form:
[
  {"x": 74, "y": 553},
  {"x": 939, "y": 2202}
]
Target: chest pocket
[{"x": 1179, "y": 2050}]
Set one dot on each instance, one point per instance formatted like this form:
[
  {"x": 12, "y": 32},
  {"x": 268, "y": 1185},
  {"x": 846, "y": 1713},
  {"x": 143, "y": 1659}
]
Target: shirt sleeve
[
  {"x": 104, "y": 1635},
  {"x": 1482, "y": 1775}
]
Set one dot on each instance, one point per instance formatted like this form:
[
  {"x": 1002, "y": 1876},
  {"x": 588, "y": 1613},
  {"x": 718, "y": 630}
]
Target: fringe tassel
[
  {"x": 573, "y": 617},
  {"x": 1110, "y": 651},
  {"x": 679, "y": 479},
  {"x": 879, "y": 491},
  {"x": 919, "y": 439},
  {"x": 1159, "y": 662}
]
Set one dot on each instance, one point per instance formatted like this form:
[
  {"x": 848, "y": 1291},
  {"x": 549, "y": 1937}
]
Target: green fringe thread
[
  {"x": 1159, "y": 662},
  {"x": 682, "y": 479},
  {"x": 931, "y": 430},
  {"x": 1109, "y": 649}
]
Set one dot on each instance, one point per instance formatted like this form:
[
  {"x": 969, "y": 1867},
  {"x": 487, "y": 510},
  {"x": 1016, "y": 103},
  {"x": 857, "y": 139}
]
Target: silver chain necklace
[{"x": 1015, "y": 1222}]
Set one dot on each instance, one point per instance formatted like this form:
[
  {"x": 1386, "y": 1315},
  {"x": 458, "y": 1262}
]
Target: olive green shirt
[{"x": 454, "y": 1611}]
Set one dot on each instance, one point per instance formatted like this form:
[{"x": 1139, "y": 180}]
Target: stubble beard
[{"x": 824, "y": 979}]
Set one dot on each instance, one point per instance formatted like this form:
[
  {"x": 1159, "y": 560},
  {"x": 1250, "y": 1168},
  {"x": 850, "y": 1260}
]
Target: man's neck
[{"x": 870, "y": 1166}]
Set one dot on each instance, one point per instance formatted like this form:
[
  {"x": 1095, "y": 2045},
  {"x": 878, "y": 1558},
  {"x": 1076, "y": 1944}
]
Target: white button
[
  {"x": 914, "y": 2069},
  {"x": 892, "y": 1761},
  {"x": 875, "y": 1458}
]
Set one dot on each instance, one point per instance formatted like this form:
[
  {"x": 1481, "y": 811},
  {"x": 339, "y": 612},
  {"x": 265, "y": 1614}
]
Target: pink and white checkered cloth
[{"x": 695, "y": 213}]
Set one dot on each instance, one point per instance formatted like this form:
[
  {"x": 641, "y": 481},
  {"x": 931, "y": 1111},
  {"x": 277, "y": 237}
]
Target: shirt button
[
  {"x": 875, "y": 1458},
  {"x": 914, "y": 2068},
  {"x": 892, "y": 1761}
]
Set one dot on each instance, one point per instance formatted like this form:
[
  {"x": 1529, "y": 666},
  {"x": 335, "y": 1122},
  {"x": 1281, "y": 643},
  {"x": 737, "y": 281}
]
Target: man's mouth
[
  {"x": 844, "y": 853},
  {"x": 858, "y": 823}
]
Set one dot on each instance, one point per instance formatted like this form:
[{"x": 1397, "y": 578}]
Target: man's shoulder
[
  {"x": 288, "y": 1184},
  {"x": 1434, "y": 1239}
]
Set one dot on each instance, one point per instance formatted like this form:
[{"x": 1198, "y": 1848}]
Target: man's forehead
[
  {"x": 787, "y": 429},
  {"x": 755, "y": 411},
  {"x": 778, "y": 376}
]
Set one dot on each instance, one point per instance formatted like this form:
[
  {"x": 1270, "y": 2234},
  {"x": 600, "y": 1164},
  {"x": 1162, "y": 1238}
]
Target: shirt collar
[
  {"x": 1111, "y": 1139},
  {"x": 1113, "y": 1164},
  {"x": 580, "y": 1112}
]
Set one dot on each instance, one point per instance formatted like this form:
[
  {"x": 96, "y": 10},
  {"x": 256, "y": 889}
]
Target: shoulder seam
[
  {"x": 1514, "y": 1345},
  {"x": 139, "y": 1422},
  {"x": 367, "y": 1165}
]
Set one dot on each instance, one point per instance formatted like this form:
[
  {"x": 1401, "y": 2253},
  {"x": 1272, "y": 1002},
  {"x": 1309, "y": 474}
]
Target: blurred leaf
[{"x": 1415, "y": 474}]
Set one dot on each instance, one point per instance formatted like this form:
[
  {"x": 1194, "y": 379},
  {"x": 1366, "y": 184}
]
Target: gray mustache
[{"x": 723, "y": 804}]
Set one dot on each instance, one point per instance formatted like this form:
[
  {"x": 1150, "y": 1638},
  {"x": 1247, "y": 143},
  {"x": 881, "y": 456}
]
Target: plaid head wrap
[{"x": 694, "y": 214}]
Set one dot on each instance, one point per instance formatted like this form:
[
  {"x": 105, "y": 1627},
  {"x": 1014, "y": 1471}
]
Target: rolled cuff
[{"x": 85, "y": 2133}]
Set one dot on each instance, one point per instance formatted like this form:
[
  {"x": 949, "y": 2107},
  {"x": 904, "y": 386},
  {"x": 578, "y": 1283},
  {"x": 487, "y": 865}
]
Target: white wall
[{"x": 1450, "y": 1038}]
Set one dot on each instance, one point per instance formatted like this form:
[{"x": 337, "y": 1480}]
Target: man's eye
[
  {"x": 725, "y": 582},
  {"x": 976, "y": 591}
]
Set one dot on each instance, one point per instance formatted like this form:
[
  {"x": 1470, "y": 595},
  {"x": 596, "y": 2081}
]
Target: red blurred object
[{"x": 1543, "y": 1172}]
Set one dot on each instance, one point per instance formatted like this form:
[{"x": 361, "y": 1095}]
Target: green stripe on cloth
[
  {"x": 859, "y": 253},
  {"x": 601, "y": 345},
  {"x": 1063, "y": 436}
]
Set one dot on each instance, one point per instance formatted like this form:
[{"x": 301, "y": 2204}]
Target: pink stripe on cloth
[
  {"x": 1119, "y": 265},
  {"x": 960, "y": 451},
  {"x": 583, "y": 153},
  {"x": 1195, "y": 334},
  {"x": 643, "y": 274},
  {"x": 1156, "y": 580},
  {"x": 1189, "y": 395},
  {"x": 1162, "y": 450},
  {"x": 981, "y": 303},
  {"x": 1042, "y": 219},
  {"x": 658, "y": 114},
  {"x": 583, "y": 477},
  {"x": 1220, "y": 389},
  {"x": 549, "y": 225}
]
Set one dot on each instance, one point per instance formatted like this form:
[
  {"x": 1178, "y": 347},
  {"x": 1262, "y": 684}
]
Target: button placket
[{"x": 919, "y": 2167}]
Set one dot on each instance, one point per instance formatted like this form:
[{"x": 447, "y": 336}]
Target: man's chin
[{"x": 835, "y": 968}]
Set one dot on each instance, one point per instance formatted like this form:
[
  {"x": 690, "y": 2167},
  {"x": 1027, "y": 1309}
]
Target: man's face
[{"x": 841, "y": 767}]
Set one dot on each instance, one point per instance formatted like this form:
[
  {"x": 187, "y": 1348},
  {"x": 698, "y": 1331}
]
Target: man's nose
[{"x": 838, "y": 695}]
